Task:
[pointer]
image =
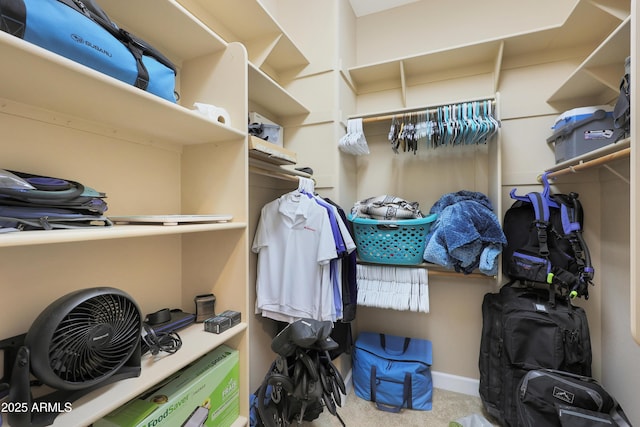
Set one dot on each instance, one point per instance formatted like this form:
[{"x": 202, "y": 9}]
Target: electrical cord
[{"x": 169, "y": 342}]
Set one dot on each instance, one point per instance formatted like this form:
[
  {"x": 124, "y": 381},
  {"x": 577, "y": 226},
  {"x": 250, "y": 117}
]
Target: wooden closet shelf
[
  {"x": 270, "y": 152},
  {"x": 261, "y": 167},
  {"x": 269, "y": 158},
  {"x": 39, "y": 237},
  {"x": 436, "y": 270},
  {"x": 196, "y": 343},
  {"x": 599, "y": 157}
]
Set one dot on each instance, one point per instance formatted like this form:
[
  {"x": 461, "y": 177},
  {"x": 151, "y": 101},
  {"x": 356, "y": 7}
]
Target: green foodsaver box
[{"x": 205, "y": 393}]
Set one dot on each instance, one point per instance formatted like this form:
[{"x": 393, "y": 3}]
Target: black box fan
[{"x": 82, "y": 341}]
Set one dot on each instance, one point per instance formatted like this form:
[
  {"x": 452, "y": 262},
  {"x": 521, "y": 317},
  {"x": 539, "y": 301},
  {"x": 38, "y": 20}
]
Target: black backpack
[
  {"x": 545, "y": 242},
  {"x": 622, "y": 108}
]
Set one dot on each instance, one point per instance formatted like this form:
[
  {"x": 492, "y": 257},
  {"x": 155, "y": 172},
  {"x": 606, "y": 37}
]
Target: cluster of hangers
[
  {"x": 467, "y": 123},
  {"x": 306, "y": 185}
]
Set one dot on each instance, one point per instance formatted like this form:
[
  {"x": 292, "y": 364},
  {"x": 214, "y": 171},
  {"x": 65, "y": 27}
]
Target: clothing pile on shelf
[
  {"x": 466, "y": 235},
  {"x": 396, "y": 288},
  {"x": 306, "y": 260},
  {"x": 40, "y": 202}
]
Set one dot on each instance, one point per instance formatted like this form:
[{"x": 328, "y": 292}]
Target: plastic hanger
[
  {"x": 469, "y": 124},
  {"x": 546, "y": 192},
  {"x": 354, "y": 141},
  {"x": 306, "y": 185},
  {"x": 495, "y": 125}
]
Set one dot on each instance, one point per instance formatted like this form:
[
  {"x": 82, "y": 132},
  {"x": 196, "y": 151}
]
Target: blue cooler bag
[
  {"x": 394, "y": 372},
  {"x": 81, "y": 31}
]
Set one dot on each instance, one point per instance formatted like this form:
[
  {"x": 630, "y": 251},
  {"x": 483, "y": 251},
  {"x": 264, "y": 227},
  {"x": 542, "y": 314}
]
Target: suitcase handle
[
  {"x": 383, "y": 344},
  {"x": 407, "y": 398}
]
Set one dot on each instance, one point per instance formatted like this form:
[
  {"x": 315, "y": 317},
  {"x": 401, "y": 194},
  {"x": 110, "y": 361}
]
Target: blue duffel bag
[
  {"x": 394, "y": 372},
  {"x": 81, "y": 31}
]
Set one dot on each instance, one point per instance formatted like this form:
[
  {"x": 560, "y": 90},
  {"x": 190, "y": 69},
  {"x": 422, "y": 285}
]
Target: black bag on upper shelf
[
  {"x": 37, "y": 202},
  {"x": 81, "y": 31},
  {"x": 622, "y": 109}
]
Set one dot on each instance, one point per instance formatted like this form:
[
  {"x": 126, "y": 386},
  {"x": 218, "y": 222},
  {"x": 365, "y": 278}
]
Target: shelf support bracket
[
  {"x": 403, "y": 84},
  {"x": 616, "y": 173}
]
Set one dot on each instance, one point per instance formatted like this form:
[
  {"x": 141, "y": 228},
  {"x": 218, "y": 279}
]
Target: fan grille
[{"x": 95, "y": 338}]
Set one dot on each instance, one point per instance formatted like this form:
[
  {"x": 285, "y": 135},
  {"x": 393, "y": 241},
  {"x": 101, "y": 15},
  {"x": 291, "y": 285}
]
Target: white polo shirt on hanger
[{"x": 294, "y": 243}]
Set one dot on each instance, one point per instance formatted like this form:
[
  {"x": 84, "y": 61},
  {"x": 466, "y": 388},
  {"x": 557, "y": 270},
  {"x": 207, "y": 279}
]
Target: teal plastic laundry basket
[{"x": 398, "y": 242}]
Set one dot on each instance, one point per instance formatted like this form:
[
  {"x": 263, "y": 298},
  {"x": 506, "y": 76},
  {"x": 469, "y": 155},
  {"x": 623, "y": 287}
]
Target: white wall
[{"x": 620, "y": 353}]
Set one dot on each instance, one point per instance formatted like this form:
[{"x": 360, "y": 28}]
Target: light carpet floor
[{"x": 447, "y": 406}]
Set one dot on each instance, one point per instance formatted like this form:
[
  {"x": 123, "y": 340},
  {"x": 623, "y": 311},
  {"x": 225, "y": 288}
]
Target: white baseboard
[
  {"x": 441, "y": 380},
  {"x": 348, "y": 381},
  {"x": 456, "y": 383}
]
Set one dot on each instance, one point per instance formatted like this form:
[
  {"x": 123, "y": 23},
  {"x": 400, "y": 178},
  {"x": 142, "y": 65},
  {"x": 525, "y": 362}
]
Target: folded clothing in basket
[{"x": 386, "y": 208}]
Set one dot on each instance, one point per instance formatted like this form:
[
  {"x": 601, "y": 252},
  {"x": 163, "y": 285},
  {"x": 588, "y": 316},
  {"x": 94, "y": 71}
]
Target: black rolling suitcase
[{"x": 525, "y": 329}]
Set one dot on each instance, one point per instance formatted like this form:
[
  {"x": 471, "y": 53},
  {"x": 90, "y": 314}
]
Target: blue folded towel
[{"x": 466, "y": 234}]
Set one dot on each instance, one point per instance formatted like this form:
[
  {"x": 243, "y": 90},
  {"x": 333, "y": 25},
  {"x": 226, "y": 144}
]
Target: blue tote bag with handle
[{"x": 392, "y": 371}]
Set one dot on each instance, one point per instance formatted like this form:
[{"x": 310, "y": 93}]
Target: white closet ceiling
[{"x": 366, "y": 7}]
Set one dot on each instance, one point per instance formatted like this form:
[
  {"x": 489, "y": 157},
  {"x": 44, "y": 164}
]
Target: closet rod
[
  {"x": 589, "y": 164},
  {"x": 431, "y": 109}
]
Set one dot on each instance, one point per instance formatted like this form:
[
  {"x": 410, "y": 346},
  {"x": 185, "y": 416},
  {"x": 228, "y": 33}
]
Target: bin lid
[{"x": 579, "y": 113}]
